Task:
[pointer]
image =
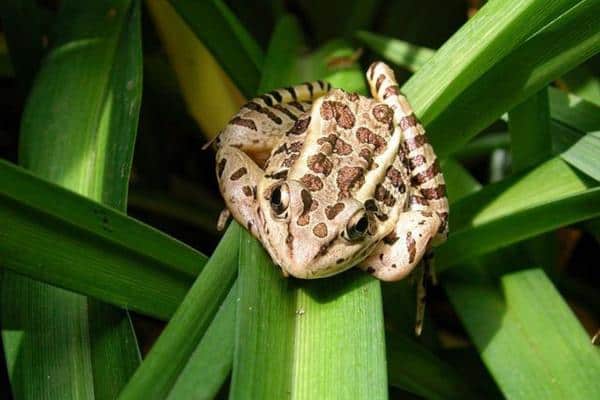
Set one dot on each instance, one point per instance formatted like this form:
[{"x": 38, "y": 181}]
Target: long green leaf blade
[
  {"x": 528, "y": 337},
  {"x": 70, "y": 124},
  {"x": 48, "y": 233},
  {"x": 155, "y": 378},
  {"x": 507, "y": 212}
]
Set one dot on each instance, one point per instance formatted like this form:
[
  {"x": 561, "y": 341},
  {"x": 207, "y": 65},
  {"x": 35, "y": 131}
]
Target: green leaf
[
  {"x": 49, "y": 233},
  {"x": 396, "y": 51},
  {"x": 210, "y": 363},
  {"x": 483, "y": 145},
  {"x": 293, "y": 336},
  {"x": 170, "y": 353},
  {"x": 78, "y": 130},
  {"x": 528, "y": 337},
  {"x": 500, "y": 28},
  {"x": 523, "y": 206},
  {"x": 582, "y": 82},
  {"x": 584, "y": 154},
  {"x": 573, "y": 38},
  {"x": 529, "y": 127},
  {"x": 214, "y": 24}
]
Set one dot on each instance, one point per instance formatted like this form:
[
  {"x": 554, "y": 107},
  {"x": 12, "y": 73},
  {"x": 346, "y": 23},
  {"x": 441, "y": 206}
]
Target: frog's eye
[
  {"x": 280, "y": 199},
  {"x": 357, "y": 226}
]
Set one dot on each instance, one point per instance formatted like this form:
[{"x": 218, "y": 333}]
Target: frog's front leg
[{"x": 238, "y": 177}]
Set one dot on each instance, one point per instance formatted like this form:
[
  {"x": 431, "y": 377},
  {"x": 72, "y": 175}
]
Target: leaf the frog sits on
[{"x": 327, "y": 179}]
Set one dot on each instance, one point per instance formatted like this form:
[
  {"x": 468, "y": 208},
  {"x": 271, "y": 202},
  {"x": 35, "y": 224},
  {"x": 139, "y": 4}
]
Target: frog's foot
[
  {"x": 402, "y": 250},
  {"x": 223, "y": 218},
  {"x": 237, "y": 175},
  {"x": 425, "y": 273}
]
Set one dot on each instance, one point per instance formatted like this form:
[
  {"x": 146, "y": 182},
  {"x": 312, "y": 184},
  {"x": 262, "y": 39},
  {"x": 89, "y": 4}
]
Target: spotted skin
[{"x": 303, "y": 167}]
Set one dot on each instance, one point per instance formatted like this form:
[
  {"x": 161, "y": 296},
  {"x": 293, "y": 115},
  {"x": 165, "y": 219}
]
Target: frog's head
[{"x": 311, "y": 236}]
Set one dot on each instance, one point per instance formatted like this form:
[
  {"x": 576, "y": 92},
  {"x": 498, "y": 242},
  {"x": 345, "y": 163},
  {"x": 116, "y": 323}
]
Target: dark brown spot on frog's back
[
  {"x": 306, "y": 200},
  {"x": 332, "y": 211},
  {"x": 352, "y": 96},
  {"x": 246, "y": 123},
  {"x": 221, "y": 167},
  {"x": 383, "y": 113},
  {"x": 320, "y": 230},
  {"x": 299, "y": 127},
  {"x": 340, "y": 111},
  {"x": 312, "y": 182},
  {"x": 303, "y": 220},
  {"x": 370, "y": 205},
  {"x": 349, "y": 178},
  {"x": 238, "y": 174},
  {"x": 320, "y": 164},
  {"x": 411, "y": 246},
  {"x": 247, "y": 191},
  {"x": 365, "y": 135},
  {"x": 278, "y": 175},
  {"x": 416, "y": 161},
  {"x": 287, "y": 112}
]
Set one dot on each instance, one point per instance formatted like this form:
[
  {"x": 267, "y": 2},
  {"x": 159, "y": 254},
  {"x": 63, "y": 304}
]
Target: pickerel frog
[{"x": 327, "y": 180}]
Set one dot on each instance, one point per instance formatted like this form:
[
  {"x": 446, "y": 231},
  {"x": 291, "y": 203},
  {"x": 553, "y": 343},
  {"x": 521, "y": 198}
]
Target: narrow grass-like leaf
[
  {"x": 483, "y": 145},
  {"x": 563, "y": 44},
  {"x": 77, "y": 130},
  {"x": 499, "y": 27},
  {"x": 210, "y": 363},
  {"x": 214, "y": 24},
  {"x": 584, "y": 154},
  {"x": 48, "y": 233},
  {"x": 293, "y": 337},
  {"x": 414, "y": 368},
  {"x": 528, "y": 337},
  {"x": 156, "y": 376},
  {"x": 543, "y": 199},
  {"x": 399, "y": 52},
  {"x": 529, "y": 126}
]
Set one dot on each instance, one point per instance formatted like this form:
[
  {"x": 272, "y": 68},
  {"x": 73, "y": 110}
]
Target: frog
[{"x": 327, "y": 180}]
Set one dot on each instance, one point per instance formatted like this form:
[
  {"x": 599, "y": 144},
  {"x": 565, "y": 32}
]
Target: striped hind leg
[
  {"x": 261, "y": 122},
  {"x": 426, "y": 175}
]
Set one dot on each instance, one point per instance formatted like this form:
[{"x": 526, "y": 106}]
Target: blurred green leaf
[
  {"x": 126, "y": 262},
  {"x": 292, "y": 337},
  {"x": 169, "y": 355},
  {"x": 528, "y": 337},
  {"x": 483, "y": 145},
  {"x": 396, "y": 51},
  {"x": 519, "y": 207},
  {"x": 214, "y": 24},
  {"x": 78, "y": 130},
  {"x": 582, "y": 82}
]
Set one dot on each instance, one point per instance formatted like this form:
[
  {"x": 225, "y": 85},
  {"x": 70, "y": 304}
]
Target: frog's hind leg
[
  {"x": 400, "y": 252},
  {"x": 238, "y": 176},
  {"x": 261, "y": 122},
  {"x": 426, "y": 175}
]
